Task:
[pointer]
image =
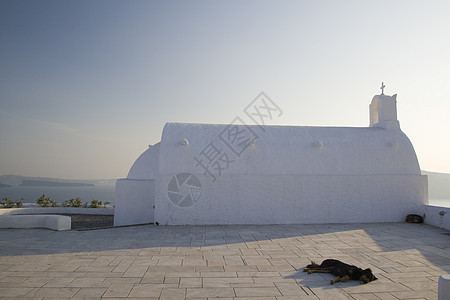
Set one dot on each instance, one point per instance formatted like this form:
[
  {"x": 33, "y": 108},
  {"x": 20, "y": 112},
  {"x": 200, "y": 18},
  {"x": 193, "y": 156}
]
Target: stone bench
[
  {"x": 444, "y": 287},
  {"x": 55, "y": 222}
]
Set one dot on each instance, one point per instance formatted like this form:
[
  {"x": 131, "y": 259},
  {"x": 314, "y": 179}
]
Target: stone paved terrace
[{"x": 221, "y": 262}]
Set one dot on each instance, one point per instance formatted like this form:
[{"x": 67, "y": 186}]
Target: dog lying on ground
[{"x": 342, "y": 271}]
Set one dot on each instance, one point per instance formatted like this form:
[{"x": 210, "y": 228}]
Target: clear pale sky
[{"x": 86, "y": 86}]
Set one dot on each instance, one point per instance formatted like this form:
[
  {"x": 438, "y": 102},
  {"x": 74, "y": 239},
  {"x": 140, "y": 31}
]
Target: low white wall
[
  {"x": 56, "y": 210},
  {"x": 134, "y": 202},
  {"x": 296, "y": 199},
  {"x": 437, "y": 216},
  {"x": 54, "y": 222}
]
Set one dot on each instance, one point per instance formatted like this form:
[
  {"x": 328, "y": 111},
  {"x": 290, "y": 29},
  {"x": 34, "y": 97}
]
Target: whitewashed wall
[
  {"x": 437, "y": 216},
  {"x": 285, "y": 175},
  {"x": 135, "y": 202},
  {"x": 296, "y": 199},
  {"x": 135, "y": 195}
]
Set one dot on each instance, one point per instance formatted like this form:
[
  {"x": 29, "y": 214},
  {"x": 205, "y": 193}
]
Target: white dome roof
[{"x": 146, "y": 166}]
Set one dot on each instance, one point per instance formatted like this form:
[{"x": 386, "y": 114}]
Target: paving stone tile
[
  {"x": 385, "y": 296},
  {"x": 88, "y": 282},
  {"x": 167, "y": 269},
  {"x": 273, "y": 280},
  {"x": 111, "y": 280},
  {"x": 331, "y": 293},
  {"x": 374, "y": 287},
  {"x": 218, "y": 274},
  {"x": 431, "y": 295},
  {"x": 170, "y": 262},
  {"x": 194, "y": 262},
  {"x": 302, "y": 297},
  {"x": 78, "y": 262},
  {"x": 59, "y": 282},
  {"x": 255, "y": 298},
  {"x": 182, "y": 274},
  {"x": 143, "y": 262},
  {"x": 150, "y": 277},
  {"x": 368, "y": 296},
  {"x": 257, "y": 292},
  {"x": 13, "y": 279},
  {"x": 90, "y": 292},
  {"x": 403, "y": 276},
  {"x": 173, "y": 294},
  {"x": 266, "y": 268},
  {"x": 103, "y": 275},
  {"x": 135, "y": 271},
  {"x": 14, "y": 291},
  {"x": 122, "y": 267},
  {"x": 228, "y": 268},
  {"x": 234, "y": 260},
  {"x": 211, "y": 262},
  {"x": 52, "y": 274},
  {"x": 172, "y": 280},
  {"x": 64, "y": 268},
  {"x": 118, "y": 290},
  {"x": 146, "y": 290},
  {"x": 53, "y": 292},
  {"x": 101, "y": 269},
  {"x": 28, "y": 282},
  {"x": 102, "y": 261},
  {"x": 191, "y": 282},
  {"x": 289, "y": 288},
  {"x": 258, "y": 274},
  {"x": 226, "y": 281},
  {"x": 210, "y": 292},
  {"x": 209, "y": 268}
]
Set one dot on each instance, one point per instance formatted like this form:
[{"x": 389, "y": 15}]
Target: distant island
[
  {"x": 27, "y": 182},
  {"x": 2, "y": 185},
  {"x": 18, "y": 180}
]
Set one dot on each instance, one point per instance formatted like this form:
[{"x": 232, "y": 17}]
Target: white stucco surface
[
  {"x": 54, "y": 222},
  {"x": 36, "y": 210},
  {"x": 437, "y": 216},
  {"x": 297, "y": 199},
  {"x": 292, "y": 150},
  {"x": 146, "y": 166},
  {"x": 239, "y": 174},
  {"x": 444, "y": 287},
  {"x": 134, "y": 202}
]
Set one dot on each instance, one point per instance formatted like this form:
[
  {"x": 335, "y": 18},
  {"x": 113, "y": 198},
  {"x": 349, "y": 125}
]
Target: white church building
[{"x": 242, "y": 174}]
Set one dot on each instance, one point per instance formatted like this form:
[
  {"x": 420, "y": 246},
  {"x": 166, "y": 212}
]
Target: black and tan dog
[{"x": 342, "y": 271}]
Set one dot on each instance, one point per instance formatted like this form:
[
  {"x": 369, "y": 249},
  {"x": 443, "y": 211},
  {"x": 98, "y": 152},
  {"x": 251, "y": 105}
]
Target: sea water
[
  {"x": 100, "y": 192},
  {"x": 439, "y": 202}
]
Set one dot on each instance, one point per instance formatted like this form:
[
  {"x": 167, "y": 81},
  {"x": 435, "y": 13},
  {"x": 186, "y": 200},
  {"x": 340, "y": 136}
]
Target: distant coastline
[
  {"x": 18, "y": 180},
  {"x": 28, "y": 189},
  {"x": 27, "y": 182},
  {"x": 2, "y": 185}
]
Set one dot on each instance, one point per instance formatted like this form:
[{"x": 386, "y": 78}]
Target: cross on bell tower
[{"x": 383, "y": 111}]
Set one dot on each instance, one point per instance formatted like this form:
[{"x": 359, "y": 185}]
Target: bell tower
[{"x": 383, "y": 111}]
